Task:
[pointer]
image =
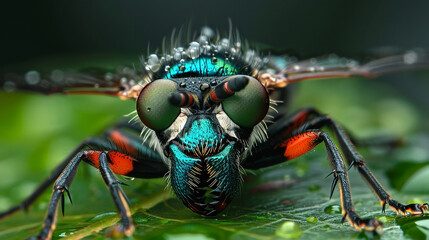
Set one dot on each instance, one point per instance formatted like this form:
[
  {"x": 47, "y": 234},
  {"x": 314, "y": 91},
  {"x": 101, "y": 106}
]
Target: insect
[{"x": 204, "y": 112}]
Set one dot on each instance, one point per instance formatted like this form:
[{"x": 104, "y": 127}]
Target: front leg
[
  {"x": 290, "y": 138},
  {"x": 126, "y": 227}
]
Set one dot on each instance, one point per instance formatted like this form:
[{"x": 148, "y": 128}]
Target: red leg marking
[
  {"x": 122, "y": 142},
  {"x": 120, "y": 163},
  {"x": 300, "y": 144},
  {"x": 297, "y": 120}
]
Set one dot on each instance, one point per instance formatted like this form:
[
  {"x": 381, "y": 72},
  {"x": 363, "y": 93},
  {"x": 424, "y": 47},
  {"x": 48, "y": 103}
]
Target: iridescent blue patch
[
  {"x": 201, "y": 135},
  {"x": 203, "y": 66}
]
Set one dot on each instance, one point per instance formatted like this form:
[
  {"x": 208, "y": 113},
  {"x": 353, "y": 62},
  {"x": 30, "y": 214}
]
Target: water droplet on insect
[
  {"x": 207, "y": 50},
  {"x": 177, "y": 56},
  {"x": 182, "y": 84},
  {"x": 224, "y": 43},
  {"x": 207, "y": 31},
  {"x": 205, "y": 87},
  {"x": 57, "y": 76},
  {"x": 289, "y": 229},
  {"x": 9, "y": 86},
  {"x": 153, "y": 59},
  {"x": 108, "y": 76},
  {"x": 32, "y": 77},
  {"x": 410, "y": 57},
  {"x": 167, "y": 68},
  {"x": 333, "y": 209},
  {"x": 153, "y": 62},
  {"x": 233, "y": 51},
  {"x": 249, "y": 55},
  {"x": 214, "y": 60},
  {"x": 182, "y": 68},
  {"x": 203, "y": 39}
]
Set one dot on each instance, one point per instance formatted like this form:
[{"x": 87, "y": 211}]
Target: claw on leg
[
  {"x": 363, "y": 224},
  {"x": 410, "y": 209}
]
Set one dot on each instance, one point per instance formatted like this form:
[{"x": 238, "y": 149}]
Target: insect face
[{"x": 203, "y": 131}]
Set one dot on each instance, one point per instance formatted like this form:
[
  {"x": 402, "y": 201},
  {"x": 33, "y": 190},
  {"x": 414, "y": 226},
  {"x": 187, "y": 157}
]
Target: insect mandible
[{"x": 204, "y": 112}]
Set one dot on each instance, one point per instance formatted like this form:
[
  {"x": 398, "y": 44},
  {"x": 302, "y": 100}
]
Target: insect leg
[
  {"x": 62, "y": 184},
  {"x": 355, "y": 159},
  {"x": 91, "y": 142},
  {"x": 118, "y": 195},
  {"x": 300, "y": 143}
]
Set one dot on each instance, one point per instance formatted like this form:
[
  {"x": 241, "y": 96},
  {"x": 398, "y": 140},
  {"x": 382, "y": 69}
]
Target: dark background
[{"x": 33, "y": 29}]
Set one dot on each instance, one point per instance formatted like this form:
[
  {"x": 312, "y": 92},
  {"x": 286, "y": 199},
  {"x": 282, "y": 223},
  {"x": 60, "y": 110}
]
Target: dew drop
[
  {"x": 207, "y": 50},
  {"x": 410, "y": 57},
  {"x": 32, "y": 77},
  {"x": 153, "y": 62},
  {"x": 57, "y": 76},
  {"x": 205, "y": 87},
  {"x": 207, "y": 31},
  {"x": 167, "y": 68},
  {"x": 333, "y": 209},
  {"x": 312, "y": 219},
  {"x": 177, "y": 56},
  {"x": 153, "y": 59},
  {"x": 249, "y": 55},
  {"x": 289, "y": 229},
  {"x": 194, "y": 50},
  {"x": 9, "y": 86},
  {"x": 108, "y": 76},
  {"x": 224, "y": 43}
]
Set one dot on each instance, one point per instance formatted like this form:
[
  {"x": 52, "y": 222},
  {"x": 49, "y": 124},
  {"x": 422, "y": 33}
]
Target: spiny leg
[
  {"x": 24, "y": 205},
  {"x": 115, "y": 137},
  {"x": 299, "y": 144},
  {"x": 120, "y": 199},
  {"x": 309, "y": 118},
  {"x": 125, "y": 156},
  {"x": 62, "y": 184},
  {"x": 355, "y": 159}
]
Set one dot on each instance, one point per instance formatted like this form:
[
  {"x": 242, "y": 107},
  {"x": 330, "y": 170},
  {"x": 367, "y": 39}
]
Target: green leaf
[{"x": 402, "y": 172}]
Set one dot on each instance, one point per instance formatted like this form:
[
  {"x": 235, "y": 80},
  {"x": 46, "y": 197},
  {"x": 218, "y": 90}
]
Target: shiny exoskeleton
[{"x": 204, "y": 112}]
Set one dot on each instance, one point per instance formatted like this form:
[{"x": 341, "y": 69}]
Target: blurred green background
[{"x": 37, "y": 132}]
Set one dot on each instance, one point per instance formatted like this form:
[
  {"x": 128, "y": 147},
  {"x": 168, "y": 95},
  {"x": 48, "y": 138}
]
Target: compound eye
[
  {"x": 248, "y": 106},
  {"x": 154, "y": 107}
]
